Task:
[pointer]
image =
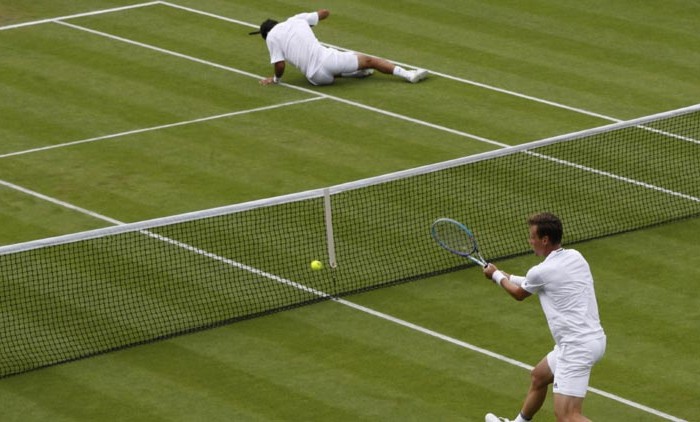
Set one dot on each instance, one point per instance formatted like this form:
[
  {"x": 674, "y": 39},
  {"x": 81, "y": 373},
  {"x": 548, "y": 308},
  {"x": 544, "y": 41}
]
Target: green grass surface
[{"x": 327, "y": 361}]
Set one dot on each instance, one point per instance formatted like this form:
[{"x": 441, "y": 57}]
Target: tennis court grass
[{"x": 327, "y": 361}]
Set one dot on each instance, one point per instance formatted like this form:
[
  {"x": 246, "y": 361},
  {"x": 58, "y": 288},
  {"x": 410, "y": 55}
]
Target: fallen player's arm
[{"x": 277, "y": 77}]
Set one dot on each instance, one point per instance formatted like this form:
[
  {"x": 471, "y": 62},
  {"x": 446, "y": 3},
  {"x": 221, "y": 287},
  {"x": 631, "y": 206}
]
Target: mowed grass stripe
[
  {"x": 156, "y": 128},
  {"x": 385, "y": 92},
  {"x": 324, "y": 143},
  {"x": 506, "y": 402},
  {"x": 44, "y": 220},
  {"x": 534, "y": 49},
  {"x": 187, "y": 33},
  {"x": 83, "y": 86}
]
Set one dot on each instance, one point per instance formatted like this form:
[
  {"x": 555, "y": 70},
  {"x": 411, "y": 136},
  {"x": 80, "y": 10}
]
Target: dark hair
[
  {"x": 265, "y": 27},
  {"x": 548, "y": 225}
]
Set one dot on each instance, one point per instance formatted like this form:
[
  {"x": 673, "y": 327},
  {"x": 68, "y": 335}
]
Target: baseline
[{"x": 79, "y": 15}]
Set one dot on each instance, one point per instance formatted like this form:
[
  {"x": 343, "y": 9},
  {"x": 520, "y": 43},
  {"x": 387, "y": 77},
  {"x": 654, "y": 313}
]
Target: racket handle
[{"x": 478, "y": 261}]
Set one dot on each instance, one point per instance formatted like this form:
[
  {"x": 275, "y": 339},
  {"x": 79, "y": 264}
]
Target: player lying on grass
[
  {"x": 564, "y": 284},
  {"x": 293, "y": 41}
]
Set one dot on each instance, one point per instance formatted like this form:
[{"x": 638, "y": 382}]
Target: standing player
[
  {"x": 564, "y": 283},
  {"x": 293, "y": 41}
]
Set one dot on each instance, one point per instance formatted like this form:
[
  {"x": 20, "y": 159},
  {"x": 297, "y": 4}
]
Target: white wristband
[
  {"x": 498, "y": 277},
  {"x": 275, "y": 79}
]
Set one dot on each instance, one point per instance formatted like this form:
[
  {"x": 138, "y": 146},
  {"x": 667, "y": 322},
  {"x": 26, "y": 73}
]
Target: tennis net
[{"x": 75, "y": 296}]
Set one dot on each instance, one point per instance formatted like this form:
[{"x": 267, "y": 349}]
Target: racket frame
[{"x": 474, "y": 255}]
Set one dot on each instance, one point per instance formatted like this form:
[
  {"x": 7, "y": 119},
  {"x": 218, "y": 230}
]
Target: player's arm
[
  {"x": 504, "y": 280},
  {"x": 277, "y": 77},
  {"x": 323, "y": 14}
]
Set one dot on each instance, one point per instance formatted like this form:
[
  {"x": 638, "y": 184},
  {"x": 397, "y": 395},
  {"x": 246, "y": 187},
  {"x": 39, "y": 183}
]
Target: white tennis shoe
[
  {"x": 415, "y": 76},
  {"x": 490, "y": 417}
]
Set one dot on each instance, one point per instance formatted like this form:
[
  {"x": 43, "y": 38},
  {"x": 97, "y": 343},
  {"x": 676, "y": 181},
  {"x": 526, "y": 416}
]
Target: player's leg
[
  {"x": 569, "y": 408},
  {"x": 342, "y": 63},
  {"x": 574, "y": 364},
  {"x": 540, "y": 378},
  {"x": 368, "y": 62}
]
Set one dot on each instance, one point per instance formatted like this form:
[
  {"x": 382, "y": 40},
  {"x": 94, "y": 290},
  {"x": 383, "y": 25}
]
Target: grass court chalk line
[
  {"x": 342, "y": 100},
  {"x": 341, "y": 301},
  {"x": 361, "y": 308},
  {"x": 60, "y": 20},
  {"x": 78, "y": 15},
  {"x": 160, "y": 127}
]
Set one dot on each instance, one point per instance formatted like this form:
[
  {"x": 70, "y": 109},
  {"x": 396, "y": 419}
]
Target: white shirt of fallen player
[
  {"x": 294, "y": 41},
  {"x": 564, "y": 284}
]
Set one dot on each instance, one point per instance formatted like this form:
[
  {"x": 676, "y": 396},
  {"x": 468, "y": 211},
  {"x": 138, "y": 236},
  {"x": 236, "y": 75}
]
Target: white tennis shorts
[
  {"x": 336, "y": 63},
  {"x": 571, "y": 365}
]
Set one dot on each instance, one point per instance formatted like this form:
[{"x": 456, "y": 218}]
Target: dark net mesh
[{"x": 69, "y": 300}]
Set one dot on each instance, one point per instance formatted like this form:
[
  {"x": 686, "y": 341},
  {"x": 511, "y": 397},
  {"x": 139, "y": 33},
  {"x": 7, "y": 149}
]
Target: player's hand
[
  {"x": 267, "y": 81},
  {"x": 489, "y": 270}
]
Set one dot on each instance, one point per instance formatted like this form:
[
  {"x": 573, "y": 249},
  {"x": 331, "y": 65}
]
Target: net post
[{"x": 330, "y": 241}]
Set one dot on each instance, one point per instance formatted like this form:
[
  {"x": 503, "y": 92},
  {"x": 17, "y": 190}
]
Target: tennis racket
[{"x": 457, "y": 238}]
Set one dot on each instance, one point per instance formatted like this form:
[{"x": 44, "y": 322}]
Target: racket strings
[{"x": 455, "y": 238}]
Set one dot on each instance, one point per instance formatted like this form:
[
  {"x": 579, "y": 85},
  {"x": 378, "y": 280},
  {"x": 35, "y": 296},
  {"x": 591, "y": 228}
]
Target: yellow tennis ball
[{"x": 316, "y": 265}]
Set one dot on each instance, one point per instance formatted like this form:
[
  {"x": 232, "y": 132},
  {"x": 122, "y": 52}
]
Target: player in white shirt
[
  {"x": 293, "y": 41},
  {"x": 564, "y": 284}
]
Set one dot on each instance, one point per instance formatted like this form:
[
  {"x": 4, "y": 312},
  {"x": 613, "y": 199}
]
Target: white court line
[
  {"x": 79, "y": 15},
  {"x": 316, "y": 93},
  {"x": 458, "y": 79},
  {"x": 338, "y": 99},
  {"x": 502, "y": 358},
  {"x": 369, "y": 311},
  {"x": 59, "y": 202},
  {"x": 347, "y": 303},
  {"x": 154, "y": 128},
  {"x": 248, "y": 24},
  {"x": 443, "y": 75},
  {"x": 615, "y": 176},
  {"x": 297, "y": 88}
]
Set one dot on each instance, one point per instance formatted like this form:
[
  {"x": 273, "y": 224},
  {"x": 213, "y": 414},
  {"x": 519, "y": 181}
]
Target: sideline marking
[
  {"x": 297, "y": 88},
  {"x": 338, "y": 99},
  {"x": 341, "y": 301},
  {"x": 344, "y": 302}
]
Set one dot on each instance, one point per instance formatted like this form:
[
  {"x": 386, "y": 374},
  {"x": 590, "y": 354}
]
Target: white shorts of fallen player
[{"x": 336, "y": 63}]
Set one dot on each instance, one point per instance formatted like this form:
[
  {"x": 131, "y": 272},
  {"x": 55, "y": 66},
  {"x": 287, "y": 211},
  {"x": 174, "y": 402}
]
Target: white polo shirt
[
  {"x": 294, "y": 41},
  {"x": 564, "y": 284}
]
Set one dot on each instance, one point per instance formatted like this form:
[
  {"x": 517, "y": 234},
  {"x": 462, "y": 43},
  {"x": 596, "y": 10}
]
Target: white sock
[
  {"x": 400, "y": 71},
  {"x": 520, "y": 418}
]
